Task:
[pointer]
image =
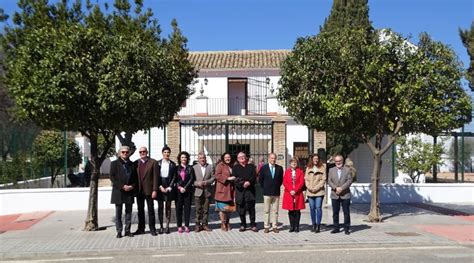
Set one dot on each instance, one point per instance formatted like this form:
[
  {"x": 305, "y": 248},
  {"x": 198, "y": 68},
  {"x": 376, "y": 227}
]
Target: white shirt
[
  {"x": 203, "y": 170},
  {"x": 165, "y": 168}
]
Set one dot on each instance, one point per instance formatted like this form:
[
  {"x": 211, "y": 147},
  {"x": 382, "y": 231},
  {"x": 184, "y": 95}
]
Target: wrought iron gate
[{"x": 214, "y": 137}]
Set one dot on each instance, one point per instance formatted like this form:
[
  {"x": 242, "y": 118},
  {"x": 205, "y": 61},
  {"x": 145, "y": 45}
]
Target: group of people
[{"x": 233, "y": 187}]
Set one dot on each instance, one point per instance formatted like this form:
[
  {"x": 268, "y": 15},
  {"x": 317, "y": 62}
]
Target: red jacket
[{"x": 295, "y": 202}]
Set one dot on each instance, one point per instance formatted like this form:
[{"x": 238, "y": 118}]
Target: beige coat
[{"x": 315, "y": 184}]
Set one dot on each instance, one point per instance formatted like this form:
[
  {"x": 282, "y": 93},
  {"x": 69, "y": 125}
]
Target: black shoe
[
  {"x": 153, "y": 232},
  {"x": 334, "y": 231},
  {"x": 347, "y": 232},
  {"x": 160, "y": 231},
  {"x": 242, "y": 229},
  {"x": 167, "y": 231},
  {"x": 297, "y": 229},
  {"x": 318, "y": 229},
  {"x": 128, "y": 234},
  {"x": 139, "y": 232},
  {"x": 292, "y": 229},
  {"x": 119, "y": 235},
  {"x": 313, "y": 229}
]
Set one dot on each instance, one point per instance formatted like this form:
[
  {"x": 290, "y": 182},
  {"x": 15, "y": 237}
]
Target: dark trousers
[
  {"x": 141, "y": 198},
  {"x": 183, "y": 203},
  {"x": 294, "y": 217},
  {"x": 202, "y": 209},
  {"x": 242, "y": 209},
  {"x": 162, "y": 205},
  {"x": 336, "y": 206},
  {"x": 128, "y": 217}
]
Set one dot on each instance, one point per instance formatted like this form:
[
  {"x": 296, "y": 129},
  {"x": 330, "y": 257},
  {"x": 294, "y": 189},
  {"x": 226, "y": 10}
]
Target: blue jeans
[{"x": 315, "y": 206}]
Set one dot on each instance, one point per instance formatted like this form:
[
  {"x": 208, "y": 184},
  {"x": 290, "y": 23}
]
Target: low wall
[
  {"x": 44, "y": 182},
  {"x": 30, "y": 200}
]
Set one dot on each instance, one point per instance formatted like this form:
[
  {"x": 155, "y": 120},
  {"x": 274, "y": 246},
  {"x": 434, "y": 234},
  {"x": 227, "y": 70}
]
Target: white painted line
[
  {"x": 364, "y": 249},
  {"x": 224, "y": 253},
  {"x": 61, "y": 259},
  {"x": 167, "y": 255}
]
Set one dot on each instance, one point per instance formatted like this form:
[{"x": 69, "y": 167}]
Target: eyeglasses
[
  {"x": 124, "y": 151},
  {"x": 142, "y": 151}
]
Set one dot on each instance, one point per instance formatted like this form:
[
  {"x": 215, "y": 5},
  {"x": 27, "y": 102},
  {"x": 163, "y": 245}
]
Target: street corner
[
  {"x": 21, "y": 221},
  {"x": 459, "y": 233}
]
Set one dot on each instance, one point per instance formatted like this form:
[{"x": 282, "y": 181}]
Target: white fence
[{"x": 30, "y": 200}]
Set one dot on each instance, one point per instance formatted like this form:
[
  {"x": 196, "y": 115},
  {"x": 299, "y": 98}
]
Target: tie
[{"x": 272, "y": 170}]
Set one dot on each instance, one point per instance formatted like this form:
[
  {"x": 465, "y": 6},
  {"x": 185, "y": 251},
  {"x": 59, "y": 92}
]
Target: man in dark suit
[
  {"x": 340, "y": 180},
  {"x": 124, "y": 182},
  {"x": 203, "y": 191},
  {"x": 271, "y": 178},
  {"x": 245, "y": 195},
  {"x": 148, "y": 175}
]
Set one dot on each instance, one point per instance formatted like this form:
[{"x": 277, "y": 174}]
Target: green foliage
[
  {"x": 467, "y": 37},
  {"x": 348, "y": 14},
  {"x": 415, "y": 157},
  {"x": 100, "y": 72},
  {"x": 342, "y": 82},
  {"x": 48, "y": 151}
]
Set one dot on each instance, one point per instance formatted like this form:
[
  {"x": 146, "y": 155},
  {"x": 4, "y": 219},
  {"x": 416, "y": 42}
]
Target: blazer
[
  {"x": 207, "y": 177},
  {"x": 242, "y": 175},
  {"x": 224, "y": 188},
  {"x": 271, "y": 186},
  {"x": 189, "y": 178},
  {"x": 295, "y": 202},
  {"x": 315, "y": 182},
  {"x": 166, "y": 182},
  {"x": 118, "y": 175},
  {"x": 151, "y": 176},
  {"x": 344, "y": 182}
]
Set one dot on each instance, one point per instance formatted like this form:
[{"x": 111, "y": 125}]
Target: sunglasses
[
  {"x": 124, "y": 151},
  {"x": 142, "y": 152}
]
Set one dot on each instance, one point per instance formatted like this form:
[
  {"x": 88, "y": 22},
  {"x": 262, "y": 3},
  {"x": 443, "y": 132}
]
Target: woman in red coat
[{"x": 293, "y": 199}]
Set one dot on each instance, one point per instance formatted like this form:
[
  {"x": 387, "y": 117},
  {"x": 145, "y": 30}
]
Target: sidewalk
[{"x": 61, "y": 232}]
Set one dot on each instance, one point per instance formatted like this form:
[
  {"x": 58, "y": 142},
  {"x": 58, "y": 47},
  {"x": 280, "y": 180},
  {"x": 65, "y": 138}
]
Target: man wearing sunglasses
[
  {"x": 148, "y": 174},
  {"x": 124, "y": 182}
]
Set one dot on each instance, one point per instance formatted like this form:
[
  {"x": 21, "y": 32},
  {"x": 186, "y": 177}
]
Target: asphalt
[{"x": 60, "y": 232}]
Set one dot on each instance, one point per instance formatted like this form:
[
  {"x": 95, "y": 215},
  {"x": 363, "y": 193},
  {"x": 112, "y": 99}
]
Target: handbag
[{"x": 230, "y": 208}]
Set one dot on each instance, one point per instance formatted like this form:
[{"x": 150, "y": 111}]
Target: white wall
[
  {"x": 62, "y": 199},
  {"x": 416, "y": 193},
  {"x": 363, "y": 162}
]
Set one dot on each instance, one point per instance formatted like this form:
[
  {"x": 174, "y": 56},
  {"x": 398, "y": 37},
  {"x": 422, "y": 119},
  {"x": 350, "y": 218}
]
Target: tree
[
  {"x": 467, "y": 37},
  {"x": 374, "y": 87},
  {"x": 415, "y": 157},
  {"x": 48, "y": 151},
  {"x": 94, "y": 71},
  {"x": 348, "y": 14}
]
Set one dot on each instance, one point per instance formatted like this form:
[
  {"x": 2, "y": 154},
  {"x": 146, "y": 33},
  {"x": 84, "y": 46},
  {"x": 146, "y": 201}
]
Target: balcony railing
[{"x": 225, "y": 106}]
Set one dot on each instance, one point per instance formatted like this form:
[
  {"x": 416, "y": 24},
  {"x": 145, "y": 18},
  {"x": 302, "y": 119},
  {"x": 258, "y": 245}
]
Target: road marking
[
  {"x": 61, "y": 259},
  {"x": 224, "y": 253},
  {"x": 167, "y": 255},
  {"x": 364, "y": 249}
]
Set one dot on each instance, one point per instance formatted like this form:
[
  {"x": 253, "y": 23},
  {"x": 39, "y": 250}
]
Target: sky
[{"x": 213, "y": 25}]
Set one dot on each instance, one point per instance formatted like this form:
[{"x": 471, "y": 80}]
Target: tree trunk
[
  {"x": 374, "y": 214},
  {"x": 92, "y": 220},
  {"x": 53, "y": 177}
]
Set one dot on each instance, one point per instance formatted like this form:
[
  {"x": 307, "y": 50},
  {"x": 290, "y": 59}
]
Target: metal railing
[{"x": 226, "y": 106}]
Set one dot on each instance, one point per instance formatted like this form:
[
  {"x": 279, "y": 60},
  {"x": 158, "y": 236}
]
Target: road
[{"x": 366, "y": 253}]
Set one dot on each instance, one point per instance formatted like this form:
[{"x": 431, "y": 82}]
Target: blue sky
[{"x": 276, "y": 24}]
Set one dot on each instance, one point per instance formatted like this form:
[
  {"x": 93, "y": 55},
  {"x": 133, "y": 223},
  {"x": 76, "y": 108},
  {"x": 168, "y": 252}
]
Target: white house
[{"x": 234, "y": 109}]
